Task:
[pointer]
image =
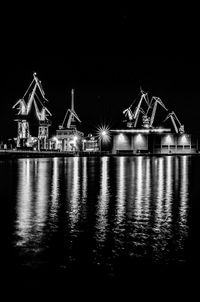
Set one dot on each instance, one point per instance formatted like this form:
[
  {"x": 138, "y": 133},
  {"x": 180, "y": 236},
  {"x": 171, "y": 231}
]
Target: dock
[{"x": 12, "y": 154}]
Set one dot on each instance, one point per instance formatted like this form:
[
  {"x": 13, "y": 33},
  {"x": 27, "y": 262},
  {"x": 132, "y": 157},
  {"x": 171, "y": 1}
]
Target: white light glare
[
  {"x": 103, "y": 133},
  {"x": 54, "y": 138}
]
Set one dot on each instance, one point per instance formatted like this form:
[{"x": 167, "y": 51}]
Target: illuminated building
[
  {"x": 90, "y": 144},
  {"x": 152, "y": 141},
  {"x": 147, "y": 138}
]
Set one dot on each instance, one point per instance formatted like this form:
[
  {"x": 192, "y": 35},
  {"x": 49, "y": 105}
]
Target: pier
[{"x": 12, "y": 154}]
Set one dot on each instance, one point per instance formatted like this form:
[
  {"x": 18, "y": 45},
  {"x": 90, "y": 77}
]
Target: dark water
[{"x": 99, "y": 219}]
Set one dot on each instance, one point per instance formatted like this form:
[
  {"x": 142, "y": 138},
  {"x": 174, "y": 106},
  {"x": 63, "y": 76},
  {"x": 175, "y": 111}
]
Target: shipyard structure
[
  {"x": 31, "y": 112},
  {"x": 140, "y": 135},
  {"x": 148, "y": 127}
]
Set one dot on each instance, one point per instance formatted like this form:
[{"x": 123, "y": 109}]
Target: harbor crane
[
  {"x": 133, "y": 116},
  {"x": 24, "y": 109},
  {"x": 23, "y": 132},
  {"x": 128, "y": 112},
  {"x": 70, "y": 115},
  {"x": 21, "y": 106},
  {"x": 42, "y": 115},
  {"x": 175, "y": 120},
  {"x": 153, "y": 104},
  {"x": 44, "y": 123}
]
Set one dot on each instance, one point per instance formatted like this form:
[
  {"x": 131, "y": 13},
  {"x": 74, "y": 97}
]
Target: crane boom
[
  {"x": 138, "y": 107},
  {"x": 37, "y": 110},
  {"x": 136, "y": 120},
  {"x": 174, "y": 124},
  {"x": 30, "y": 101},
  {"x": 128, "y": 112},
  {"x": 175, "y": 119},
  {"x": 153, "y": 113},
  {"x": 134, "y": 116},
  {"x": 156, "y": 102},
  {"x": 72, "y": 116},
  {"x": 39, "y": 85},
  {"x": 22, "y": 107},
  {"x": 174, "y": 114}
]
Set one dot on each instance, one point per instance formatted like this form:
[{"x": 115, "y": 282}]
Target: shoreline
[{"x": 39, "y": 154}]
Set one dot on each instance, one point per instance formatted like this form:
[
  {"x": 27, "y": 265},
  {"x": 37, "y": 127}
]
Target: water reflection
[
  {"x": 159, "y": 183},
  {"x": 169, "y": 186},
  {"x": 147, "y": 188},
  {"x": 74, "y": 201},
  {"x": 103, "y": 199},
  {"x": 184, "y": 197},
  {"x": 32, "y": 200},
  {"x": 121, "y": 191},
  {"x": 184, "y": 192},
  {"x": 55, "y": 187},
  {"x": 24, "y": 198},
  {"x": 139, "y": 188},
  {"x": 139, "y": 203},
  {"x": 85, "y": 178},
  {"x": 41, "y": 196}
]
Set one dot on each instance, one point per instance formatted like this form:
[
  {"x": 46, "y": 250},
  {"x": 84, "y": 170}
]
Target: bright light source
[
  {"x": 184, "y": 139},
  {"x": 103, "y": 133},
  {"x": 139, "y": 139},
  {"x": 168, "y": 140},
  {"x": 121, "y": 138}
]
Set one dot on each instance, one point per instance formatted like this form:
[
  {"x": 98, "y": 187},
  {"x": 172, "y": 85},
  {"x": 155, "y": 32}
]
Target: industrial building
[
  {"x": 158, "y": 142},
  {"x": 91, "y": 143},
  {"x": 150, "y": 139}
]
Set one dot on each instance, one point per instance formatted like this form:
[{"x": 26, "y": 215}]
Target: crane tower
[
  {"x": 24, "y": 107},
  {"x": 68, "y": 136}
]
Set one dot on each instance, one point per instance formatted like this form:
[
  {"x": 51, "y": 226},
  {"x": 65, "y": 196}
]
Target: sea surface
[{"x": 99, "y": 220}]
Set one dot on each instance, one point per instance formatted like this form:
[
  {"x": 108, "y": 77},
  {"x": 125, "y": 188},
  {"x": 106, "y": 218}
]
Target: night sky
[{"x": 105, "y": 54}]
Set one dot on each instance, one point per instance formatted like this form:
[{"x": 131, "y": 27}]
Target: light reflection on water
[
  {"x": 54, "y": 191},
  {"x": 133, "y": 205},
  {"x": 24, "y": 212},
  {"x": 74, "y": 201},
  {"x": 103, "y": 199},
  {"x": 120, "y": 192}
]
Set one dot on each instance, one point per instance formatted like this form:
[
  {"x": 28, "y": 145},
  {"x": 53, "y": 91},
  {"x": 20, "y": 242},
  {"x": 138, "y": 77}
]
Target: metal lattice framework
[
  {"x": 24, "y": 107},
  {"x": 147, "y": 109},
  {"x": 70, "y": 116}
]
